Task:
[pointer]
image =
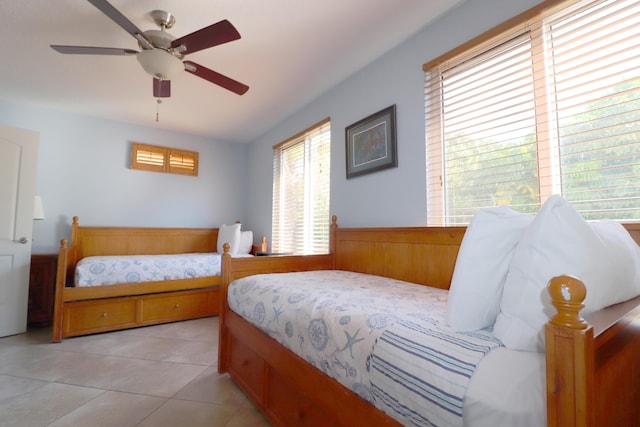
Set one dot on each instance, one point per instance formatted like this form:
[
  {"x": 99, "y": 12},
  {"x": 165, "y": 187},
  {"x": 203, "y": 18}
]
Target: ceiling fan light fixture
[
  {"x": 160, "y": 63},
  {"x": 161, "y": 53}
]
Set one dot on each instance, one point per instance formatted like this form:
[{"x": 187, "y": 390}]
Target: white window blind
[
  {"x": 551, "y": 106},
  {"x": 301, "y": 178}
]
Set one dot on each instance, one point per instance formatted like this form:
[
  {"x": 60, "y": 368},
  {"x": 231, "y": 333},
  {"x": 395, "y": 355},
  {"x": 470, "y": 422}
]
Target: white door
[{"x": 18, "y": 163}]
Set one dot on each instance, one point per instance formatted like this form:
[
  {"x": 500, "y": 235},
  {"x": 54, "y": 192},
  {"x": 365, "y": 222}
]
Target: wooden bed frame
[
  {"x": 593, "y": 366},
  {"x": 87, "y": 310}
]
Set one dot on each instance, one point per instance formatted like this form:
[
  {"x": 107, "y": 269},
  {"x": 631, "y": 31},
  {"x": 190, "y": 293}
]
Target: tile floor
[{"x": 161, "y": 375}]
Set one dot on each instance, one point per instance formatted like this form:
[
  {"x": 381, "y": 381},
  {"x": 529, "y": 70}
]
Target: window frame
[
  {"x": 530, "y": 23},
  {"x": 313, "y": 237}
]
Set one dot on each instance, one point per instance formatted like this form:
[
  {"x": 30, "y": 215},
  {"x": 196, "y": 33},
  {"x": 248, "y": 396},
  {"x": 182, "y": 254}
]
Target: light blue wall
[
  {"x": 392, "y": 197},
  {"x": 235, "y": 181},
  {"x": 83, "y": 170}
]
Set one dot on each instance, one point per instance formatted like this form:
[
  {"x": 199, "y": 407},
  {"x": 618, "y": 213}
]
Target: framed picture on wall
[{"x": 371, "y": 143}]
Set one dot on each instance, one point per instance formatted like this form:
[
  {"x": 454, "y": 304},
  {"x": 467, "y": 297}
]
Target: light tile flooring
[{"x": 161, "y": 375}]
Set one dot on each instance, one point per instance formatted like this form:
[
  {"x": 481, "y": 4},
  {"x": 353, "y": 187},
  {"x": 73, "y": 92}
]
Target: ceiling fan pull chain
[{"x": 158, "y": 110}]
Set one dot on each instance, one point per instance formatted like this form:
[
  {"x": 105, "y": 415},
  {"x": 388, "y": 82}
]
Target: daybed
[
  {"x": 592, "y": 367},
  {"x": 81, "y": 310}
]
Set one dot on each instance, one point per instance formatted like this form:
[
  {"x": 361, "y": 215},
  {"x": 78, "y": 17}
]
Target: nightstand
[{"x": 42, "y": 282}]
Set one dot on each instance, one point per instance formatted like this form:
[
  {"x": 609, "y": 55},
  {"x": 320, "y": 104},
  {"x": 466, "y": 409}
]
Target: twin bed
[
  {"x": 184, "y": 264},
  {"x": 310, "y": 373}
]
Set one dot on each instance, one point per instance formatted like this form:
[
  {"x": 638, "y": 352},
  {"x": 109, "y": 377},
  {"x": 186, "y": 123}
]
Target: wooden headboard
[
  {"x": 91, "y": 241},
  {"x": 94, "y": 241},
  {"x": 412, "y": 254}
]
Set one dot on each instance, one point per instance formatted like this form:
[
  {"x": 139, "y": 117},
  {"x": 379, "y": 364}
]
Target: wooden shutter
[{"x": 163, "y": 159}]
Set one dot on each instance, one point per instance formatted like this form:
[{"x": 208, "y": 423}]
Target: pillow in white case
[
  {"x": 246, "y": 242},
  {"x": 559, "y": 241},
  {"x": 229, "y": 234},
  {"x": 481, "y": 267}
]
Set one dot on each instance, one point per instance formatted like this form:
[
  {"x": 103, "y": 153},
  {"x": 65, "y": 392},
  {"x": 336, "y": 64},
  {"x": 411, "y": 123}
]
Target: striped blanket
[{"x": 419, "y": 371}]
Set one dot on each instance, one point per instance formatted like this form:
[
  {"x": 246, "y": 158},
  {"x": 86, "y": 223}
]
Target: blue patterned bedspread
[
  {"x": 109, "y": 270},
  {"x": 349, "y": 326}
]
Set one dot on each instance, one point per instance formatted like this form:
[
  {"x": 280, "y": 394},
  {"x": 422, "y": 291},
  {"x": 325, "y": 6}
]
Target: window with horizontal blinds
[
  {"x": 163, "y": 159},
  {"x": 301, "y": 178},
  {"x": 551, "y": 106}
]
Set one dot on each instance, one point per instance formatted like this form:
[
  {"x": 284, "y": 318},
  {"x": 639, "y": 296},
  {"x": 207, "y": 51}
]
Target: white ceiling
[{"x": 291, "y": 51}]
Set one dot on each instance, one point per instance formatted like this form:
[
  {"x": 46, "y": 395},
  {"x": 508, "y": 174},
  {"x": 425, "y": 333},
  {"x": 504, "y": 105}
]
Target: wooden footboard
[
  {"x": 86, "y": 310},
  {"x": 284, "y": 387},
  {"x": 593, "y": 365}
]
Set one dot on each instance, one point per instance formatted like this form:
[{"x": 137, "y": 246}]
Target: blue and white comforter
[
  {"x": 420, "y": 371},
  {"x": 109, "y": 270},
  {"x": 337, "y": 320}
]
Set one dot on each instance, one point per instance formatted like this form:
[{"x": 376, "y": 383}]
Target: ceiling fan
[{"x": 161, "y": 53}]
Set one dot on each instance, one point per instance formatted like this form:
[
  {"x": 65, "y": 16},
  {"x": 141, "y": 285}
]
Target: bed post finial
[
  {"x": 226, "y": 247},
  {"x": 63, "y": 243},
  {"x": 570, "y": 357},
  {"x": 567, "y": 296},
  {"x": 75, "y": 220}
]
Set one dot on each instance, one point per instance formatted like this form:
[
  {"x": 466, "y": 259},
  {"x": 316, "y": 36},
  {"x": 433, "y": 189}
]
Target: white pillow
[
  {"x": 246, "y": 242},
  {"x": 229, "y": 234},
  {"x": 482, "y": 266},
  {"x": 559, "y": 241}
]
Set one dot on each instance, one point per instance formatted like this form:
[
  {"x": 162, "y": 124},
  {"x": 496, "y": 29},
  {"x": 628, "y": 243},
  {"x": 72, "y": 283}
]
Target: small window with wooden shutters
[{"x": 163, "y": 159}]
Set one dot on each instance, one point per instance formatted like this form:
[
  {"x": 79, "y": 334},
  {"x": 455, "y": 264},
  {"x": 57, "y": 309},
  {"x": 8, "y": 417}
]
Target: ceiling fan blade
[
  {"x": 161, "y": 88},
  {"x": 215, "y": 77},
  {"x": 105, "y": 7},
  {"x": 90, "y": 50},
  {"x": 213, "y": 35}
]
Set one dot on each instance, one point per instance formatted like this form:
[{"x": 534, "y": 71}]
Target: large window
[
  {"x": 301, "y": 171},
  {"x": 549, "y": 106}
]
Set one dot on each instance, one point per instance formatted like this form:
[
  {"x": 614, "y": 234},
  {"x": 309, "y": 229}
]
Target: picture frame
[{"x": 371, "y": 143}]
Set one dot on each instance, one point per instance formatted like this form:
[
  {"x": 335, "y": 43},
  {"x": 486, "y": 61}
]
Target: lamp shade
[
  {"x": 38, "y": 211},
  {"x": 160, "y": 63}
]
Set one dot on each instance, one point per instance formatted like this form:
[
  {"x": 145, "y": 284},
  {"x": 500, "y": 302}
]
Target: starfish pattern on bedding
[
  {"x": 351, "y": 340},
  {"x": 276, "y": 313}
]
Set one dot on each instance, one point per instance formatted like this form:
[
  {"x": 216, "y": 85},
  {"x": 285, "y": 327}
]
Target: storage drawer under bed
[
  {"x": 111, "y": 314},
  {"x": 85, "y": 317},
  {"x": 168, "y": 307}
]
